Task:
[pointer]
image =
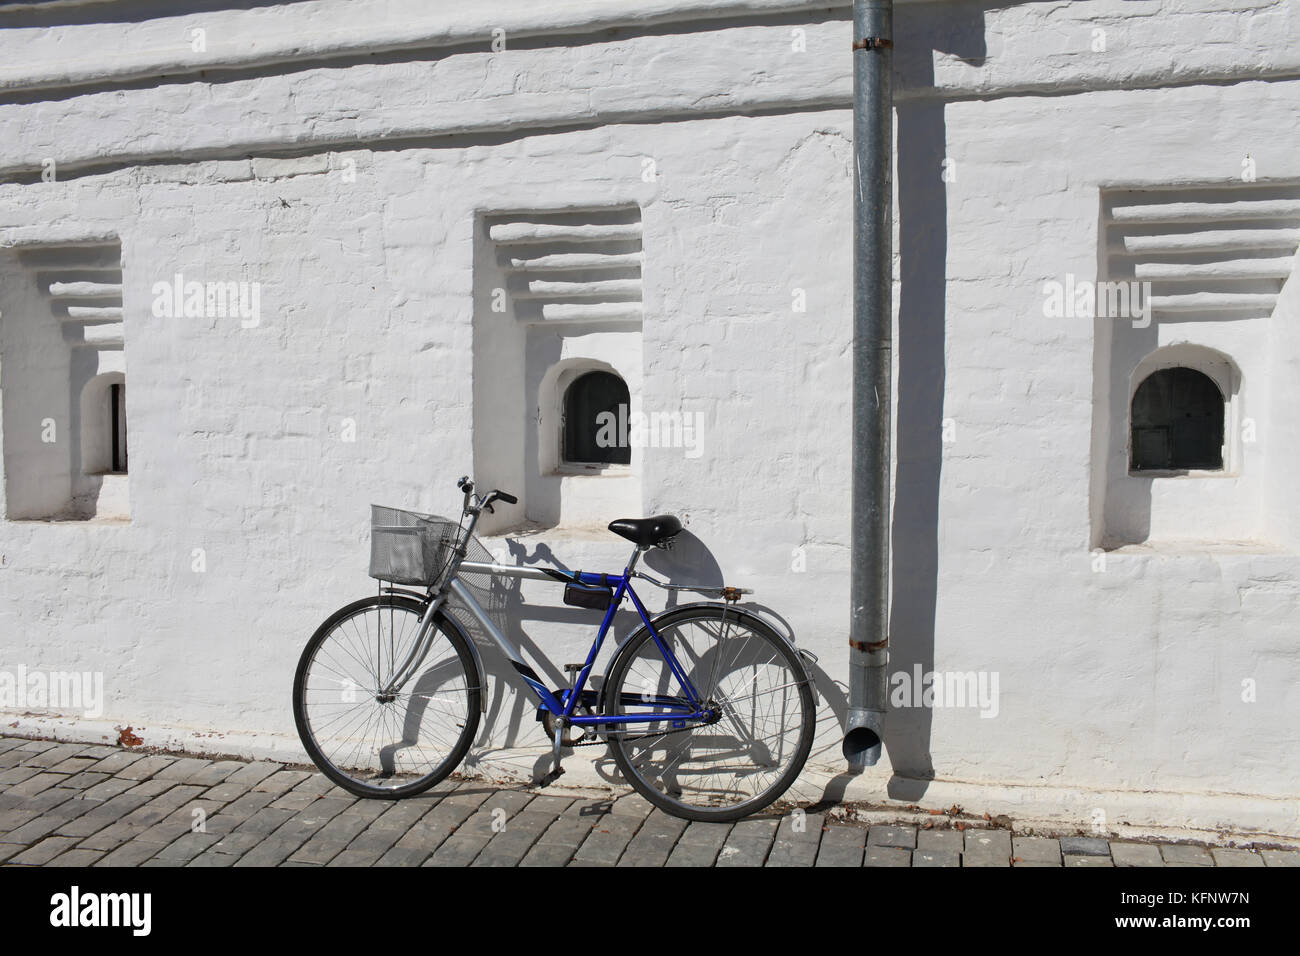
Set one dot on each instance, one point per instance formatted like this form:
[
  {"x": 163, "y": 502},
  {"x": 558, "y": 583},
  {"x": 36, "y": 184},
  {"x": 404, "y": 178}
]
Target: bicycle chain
[{"x": 609, "y": 737}]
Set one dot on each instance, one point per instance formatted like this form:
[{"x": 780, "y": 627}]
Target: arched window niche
[
  {"x": 584, "y": 408},
  {"x": 103, "y": 425},
  {"x": 1183, "y": 412}
]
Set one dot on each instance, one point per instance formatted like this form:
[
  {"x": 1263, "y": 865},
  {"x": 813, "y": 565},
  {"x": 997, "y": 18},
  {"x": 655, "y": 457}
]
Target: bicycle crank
[{"x": 573, "y": 736}]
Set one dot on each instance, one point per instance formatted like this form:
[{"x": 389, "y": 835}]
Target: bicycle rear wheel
[
  {"x": 375, "y": 744},
  {"x": 740, "y": 667}
]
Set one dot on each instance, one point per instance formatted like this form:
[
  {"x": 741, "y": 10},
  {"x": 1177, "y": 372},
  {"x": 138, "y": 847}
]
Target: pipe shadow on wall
[{"x": 923, "y": 251}]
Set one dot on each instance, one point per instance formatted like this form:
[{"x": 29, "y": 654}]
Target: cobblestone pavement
[{"x": 65, "y": 804}]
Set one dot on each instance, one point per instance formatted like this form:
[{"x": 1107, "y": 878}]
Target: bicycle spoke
[
  {"x": 746, "y": 756},
  {"x": 377, "y": 741}
]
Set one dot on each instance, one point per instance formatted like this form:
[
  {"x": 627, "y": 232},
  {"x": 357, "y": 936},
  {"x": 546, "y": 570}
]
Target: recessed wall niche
[
  {"x": 1210, "y": 268},
  {"x": 63, "y": 382},
  {"x": 557, "y": 295}
]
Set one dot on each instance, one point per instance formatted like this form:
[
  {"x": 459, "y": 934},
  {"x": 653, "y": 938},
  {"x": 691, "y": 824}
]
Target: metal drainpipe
[{"x": 873, "y": 142}]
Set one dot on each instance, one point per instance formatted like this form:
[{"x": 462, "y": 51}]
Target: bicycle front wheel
[
  {"x": 743, "y": 671},
  {"x": 373, "y": 741}
]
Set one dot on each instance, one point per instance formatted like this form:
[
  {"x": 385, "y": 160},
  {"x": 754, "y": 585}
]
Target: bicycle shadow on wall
[{"x": 692, "y": 562}]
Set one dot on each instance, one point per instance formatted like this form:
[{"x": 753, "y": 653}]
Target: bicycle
[{"x": 707, "y": 709}]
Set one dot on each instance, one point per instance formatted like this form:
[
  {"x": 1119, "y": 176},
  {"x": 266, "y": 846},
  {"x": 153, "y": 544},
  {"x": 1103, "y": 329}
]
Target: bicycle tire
[
  {"x": 626, "y": 744},
  {"x": 466, "y": 730}
]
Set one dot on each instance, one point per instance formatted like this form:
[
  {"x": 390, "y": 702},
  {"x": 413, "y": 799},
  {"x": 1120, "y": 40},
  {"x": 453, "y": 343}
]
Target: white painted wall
[{"x": 1120, "y": 687}]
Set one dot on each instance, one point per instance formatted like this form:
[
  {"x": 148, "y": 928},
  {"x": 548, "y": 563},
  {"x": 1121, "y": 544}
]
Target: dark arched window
[
  {"x": 1177, "y": 422},
  {"x": 117, "y": 428},
  {"x": 595, "y": 420}
]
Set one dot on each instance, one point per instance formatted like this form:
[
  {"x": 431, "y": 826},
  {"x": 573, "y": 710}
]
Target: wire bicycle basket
[{"x": 407, "y": 547}]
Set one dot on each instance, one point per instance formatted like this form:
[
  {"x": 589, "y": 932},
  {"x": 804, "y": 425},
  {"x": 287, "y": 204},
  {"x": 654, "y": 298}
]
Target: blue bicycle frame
[
  {"x": 676, "y": 710},
  {"x": 687, "y": 708}
]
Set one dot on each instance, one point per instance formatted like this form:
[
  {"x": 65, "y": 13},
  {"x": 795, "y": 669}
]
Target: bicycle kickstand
[{"x": 556, "y": 769}]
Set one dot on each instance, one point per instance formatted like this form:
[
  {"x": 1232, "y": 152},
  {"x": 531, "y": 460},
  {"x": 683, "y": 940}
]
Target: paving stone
[
  {"x": 76, "y": 857},
  {"x": 935, "y": 858},
  {"x": 46, "y": 799},
  {"x": 108, "y": 789},
  {"x": 228, "y": 791},
  {"x": 34, "y": 785},
  {"x": 117, "y": 761},
  {"x": 904, "y": 837},
  {"x": 654, "y": 841},
  {"x": 186, "y": 848},
  {"x": 1084, "y": 846},
  {"x": 179, "y": 822},
  {"x": 1227, "y": 856},
  {"x": 305, "y": 824},
  {"x": 1184, "y": 855},
  {"x": 1280, "y": 857},
  {"x": 129, "y": 854},
  {"x": 85, "y": 780},
  {"x": 318, "y": 785},
  {"x": 44, "y": 851},
  {"x": 34, "y": 830},
  {"x": 99, "y": 816},
  {"x": 401, "y": 815},
  {"x": 53, "y": 756},
  {"x": 99, "y": 751},
  {"x": 796, "y": 842},
  {"x": 208, "y": 858},
  {"x": 338, "y": 832},
  {"x": 947, "y": 841},
  {"x": 262, "y": 822},
  {"x": 607, "y": 840},
  {"x": 182, "y": 769},
  {"x": 146, "y": 768},
  {"x": 987, "y": 848},
  {"x": 295, "y": 801},
  {"x": 1036, "y": 850},
  {"x": 237, "y": 843},
  {"x": 511, "y": 845},
  {"x": 571, "y": 827},
  {"x": 842, "y": 846},
  {"x": 238, "y": 812},
  {"x": 151, "y": 788},
  {"x": 632, "y": 804},
  {"x": 997, "y": 842},
  {"x": 74, "y": 765},
  {"x": 436, "y": 827},
  {"x": 164, "y": 805},
  {"x": 16, "y": 775},
  {"x": 38, "y": 746},
  {"x": 886, "y": 855},
  {"x": 548, "y": 854},
  {"x": 1136, "y": 854},
  {"x": 280, "y": 782},
  {"x": 748, "y": 843},
  {"x": 403, "y": 856},
  {"x": 352, "y": 857},
  {"x": 254, "y": 773},
  {"x": 115, "y": 835},
  {"x": 493, "y": 817},
  {"x": 10, "y": 849},
  {"x": 215, "y": 773},
  {"x": 13, "y": 819},
  {"x": 1071, "y": 859},
  {"x": 271, "y": 851}
]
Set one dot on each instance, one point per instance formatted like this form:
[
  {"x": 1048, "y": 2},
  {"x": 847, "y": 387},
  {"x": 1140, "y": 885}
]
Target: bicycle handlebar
[{"x": 467, "y": 485}]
